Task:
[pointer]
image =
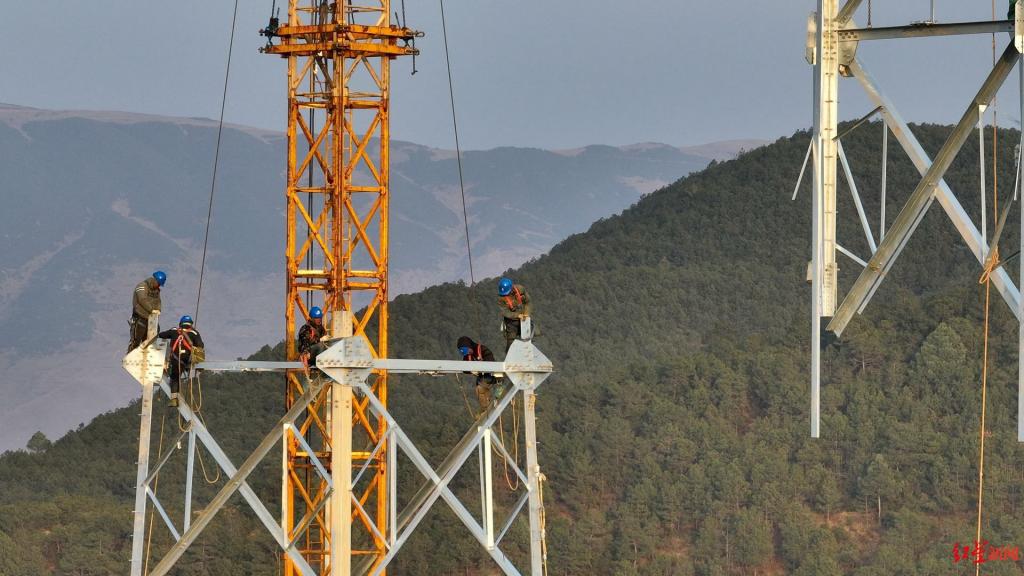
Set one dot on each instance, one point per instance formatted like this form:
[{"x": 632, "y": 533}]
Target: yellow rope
[
  {"x": 991, "y": 263},
  {"x": 156, "y": 482}
]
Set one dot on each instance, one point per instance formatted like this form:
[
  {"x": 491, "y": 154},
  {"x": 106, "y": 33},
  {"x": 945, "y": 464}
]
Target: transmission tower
[
  {"x": 340, "y": 443},
  {"x": 833, "y": 38}
]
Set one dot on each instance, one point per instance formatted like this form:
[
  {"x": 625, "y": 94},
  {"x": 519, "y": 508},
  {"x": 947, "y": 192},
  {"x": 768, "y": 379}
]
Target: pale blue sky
[{"x": 553, "y": 74}]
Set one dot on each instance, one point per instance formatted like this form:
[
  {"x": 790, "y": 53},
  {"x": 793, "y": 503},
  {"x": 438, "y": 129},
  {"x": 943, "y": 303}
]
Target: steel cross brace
[
  {"x": 931, "y": 187},
  {"x": 141, "y": 364},
  {"x": 350, "y": 362}
]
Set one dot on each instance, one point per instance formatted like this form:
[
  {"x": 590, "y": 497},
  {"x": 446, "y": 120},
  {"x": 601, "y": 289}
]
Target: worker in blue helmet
[
  {"x": 145, "y": 300},
  {"x": 311, "y": 337},
  {"x": 185, "y": 349},
  {"x": 515, "y": 308},
  {"x": 476, "y": 352}
]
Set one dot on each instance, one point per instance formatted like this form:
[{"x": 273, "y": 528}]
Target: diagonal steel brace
[
  {"x": 927, "y": 190},
  {"x": 236, "y": 482}
]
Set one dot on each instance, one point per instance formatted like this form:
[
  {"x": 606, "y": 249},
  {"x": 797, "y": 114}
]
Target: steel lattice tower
[{"x": 337, "y": 195}]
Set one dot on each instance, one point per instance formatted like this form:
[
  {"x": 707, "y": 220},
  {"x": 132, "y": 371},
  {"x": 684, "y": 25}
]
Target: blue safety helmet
[
  {"x": 316, "y": 312},
  {"x": 464, "y": 350},
  {"x": 160, "y": 277},
  {"x": 186, "y": 320},
  {"x": 504, "y": 287}
]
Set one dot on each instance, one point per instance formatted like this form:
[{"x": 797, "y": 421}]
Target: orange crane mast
[{"x": 337, "y": 191}]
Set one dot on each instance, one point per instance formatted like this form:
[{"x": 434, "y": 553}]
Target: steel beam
[
  {"x": 856, "y": 200},
  {"x": 913, "y": 211},
  {"x": 341, "y": 477},
  {"x": 925, "y": 30},
  {"x": 139, "y": 522},
  {"x": 846, "y": 13},
  {"x": 1020, "y": 301},
  {"x": 533, "y": 486},
  {"x": 233, "y": 484},
  {"x": 949, "y": 202}
]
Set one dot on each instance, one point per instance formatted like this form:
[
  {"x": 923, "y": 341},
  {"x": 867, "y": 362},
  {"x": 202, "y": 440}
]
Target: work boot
[{"x": 173, "y": 403}]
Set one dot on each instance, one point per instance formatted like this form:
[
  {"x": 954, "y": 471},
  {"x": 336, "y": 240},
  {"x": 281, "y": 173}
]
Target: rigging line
[
  {"x": 216, "y": 160},
  {"x": 981, "y": 432},
  {"x": 458, "y": 157}
]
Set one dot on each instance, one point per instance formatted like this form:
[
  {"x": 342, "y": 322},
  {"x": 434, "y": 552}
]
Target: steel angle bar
[
  {"x": 308, "y": 519},
  {"x": 189, "y": 474},
  {"x": 803, "y": 168},
  {"x": 249, "y": 366},
  {"x": 925, "y": 30},
  {"x": 236, "y": 482},
  {"x": 954, "y": 210},
  {"x": 369, "y": 459},
  {"x": 504, "y": 454},
  {"x": 163, "y": 514},
  {"x": 846, "y": 12},
  {"x": 372, "y": 525},
  {"x": 851, "y": 255},
  {"x": 165, "y": 458},
  {"x": 913, "y": 211},
  {"x": 512, "y": 517},
  {"x": 310, "y": 453},
  {"x": 856, "y": 199},
  {"x": 857, "y": 124},
  {"x": 440, "y": 489}
]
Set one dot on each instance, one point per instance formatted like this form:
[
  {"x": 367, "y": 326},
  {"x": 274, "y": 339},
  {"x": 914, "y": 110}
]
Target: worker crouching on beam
[{"x": 186, "y": 348}]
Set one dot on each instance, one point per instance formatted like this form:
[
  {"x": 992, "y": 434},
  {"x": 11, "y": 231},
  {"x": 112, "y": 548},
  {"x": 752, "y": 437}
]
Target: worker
[
  {"x": 515, "y": 308},
  {"x": 187, "y": 346},
  {"x": 475, "y": 352},
  {"x": 145, "y": 300},
  {"x": 310, "y": 336}
]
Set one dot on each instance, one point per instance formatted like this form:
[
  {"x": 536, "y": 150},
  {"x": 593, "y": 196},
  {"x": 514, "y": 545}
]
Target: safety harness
[
  {"x": 519, "y": 299},
  {"x": 182, "y": 341}
]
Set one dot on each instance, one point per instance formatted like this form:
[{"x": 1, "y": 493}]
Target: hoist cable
[{"x": 216, "y": 160}]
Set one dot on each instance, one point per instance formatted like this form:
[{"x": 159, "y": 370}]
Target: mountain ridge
[{"x": 103, "y": 200}]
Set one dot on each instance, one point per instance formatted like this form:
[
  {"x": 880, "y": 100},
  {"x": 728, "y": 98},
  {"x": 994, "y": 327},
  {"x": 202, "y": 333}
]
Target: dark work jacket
[
  {"x": 182, "y": 342},
  {"x": 479, "y": 353},
  {"x": 310, "y": 335}
]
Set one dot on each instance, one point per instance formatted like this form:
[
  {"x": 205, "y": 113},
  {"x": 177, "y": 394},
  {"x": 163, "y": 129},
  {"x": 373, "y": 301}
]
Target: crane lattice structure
[
  {"x": 832, "y": 42},
  {"x": 339, "y": 441},
  {"x": 337, "y": 195}
]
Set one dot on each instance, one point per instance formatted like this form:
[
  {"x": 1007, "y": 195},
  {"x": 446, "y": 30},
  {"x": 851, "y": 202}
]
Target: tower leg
[
  {"x": 341, "y": 478},
  {"x": 139, "y": 525},
  {"x": 1020, "y": 302},
  {"x": 533, "y": 475}
]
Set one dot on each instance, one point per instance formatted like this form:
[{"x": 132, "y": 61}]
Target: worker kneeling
[
  {"x": 186, "y": 348},
  {"x": 475, "y": 352}
]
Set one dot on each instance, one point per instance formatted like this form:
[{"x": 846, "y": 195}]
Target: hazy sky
[{"x": 553, "y": 74}]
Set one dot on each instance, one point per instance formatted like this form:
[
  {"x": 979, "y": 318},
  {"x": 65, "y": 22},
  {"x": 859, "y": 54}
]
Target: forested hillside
[{"x": 675, "y": 434}]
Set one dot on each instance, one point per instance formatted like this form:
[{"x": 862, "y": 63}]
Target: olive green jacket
[
  {"x": 516, "y": 304},
  {"x": 146, "y": 297}
]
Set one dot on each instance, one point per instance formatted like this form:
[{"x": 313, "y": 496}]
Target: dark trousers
[
  {"x": 484, "y": 383},
  {"x": 137, "y": 329},
  {"x": 177, "y": 369},
  {"x": 513, "y": 326}
]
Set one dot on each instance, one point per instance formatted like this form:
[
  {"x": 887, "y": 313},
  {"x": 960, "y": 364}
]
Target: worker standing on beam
[
  {"x": 186, "y": 348},
  {"x": 310, "y": 338},
  {"x": 145, "y": 300},
  {"x": 515, "y": 311},
  {"x": 476, "y": 352}
]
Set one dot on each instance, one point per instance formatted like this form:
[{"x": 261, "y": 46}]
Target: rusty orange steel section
[{"x": 337, "y": 198}]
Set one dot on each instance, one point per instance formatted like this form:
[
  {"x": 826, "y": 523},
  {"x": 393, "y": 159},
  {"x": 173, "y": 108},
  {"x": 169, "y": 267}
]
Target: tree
[{"x": 38, "y": 442}]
